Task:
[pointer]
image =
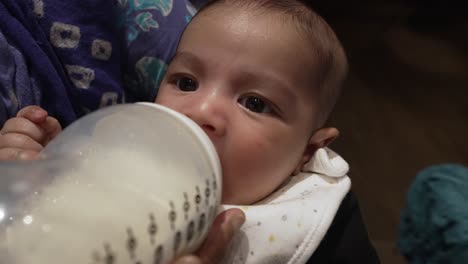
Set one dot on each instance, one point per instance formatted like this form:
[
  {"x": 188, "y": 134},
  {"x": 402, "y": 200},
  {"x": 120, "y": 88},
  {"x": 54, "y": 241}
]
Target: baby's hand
[
  {"x": 25, "y": 135},
  {"x": 216, "y": 243}
]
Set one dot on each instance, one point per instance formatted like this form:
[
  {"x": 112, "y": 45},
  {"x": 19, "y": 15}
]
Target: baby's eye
[
  {"x": 186, "y": 84},
  {"x": 256, "y": 104}
]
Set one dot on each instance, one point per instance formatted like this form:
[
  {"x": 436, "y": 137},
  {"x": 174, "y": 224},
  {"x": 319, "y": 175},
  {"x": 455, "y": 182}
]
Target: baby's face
[{"x": 244, "y": 78}]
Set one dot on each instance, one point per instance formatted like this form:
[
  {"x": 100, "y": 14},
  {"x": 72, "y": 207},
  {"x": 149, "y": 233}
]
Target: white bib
[{"x": 288, "y": 225}]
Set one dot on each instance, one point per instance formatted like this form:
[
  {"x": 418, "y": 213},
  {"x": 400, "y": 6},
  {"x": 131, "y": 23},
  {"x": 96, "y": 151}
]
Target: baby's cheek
[
  {"x": 248, "y": 187},
  {"x": 239, "y": 189},
  {"x": 231, "y": 194},
  {"x": 167, "y": 103}
]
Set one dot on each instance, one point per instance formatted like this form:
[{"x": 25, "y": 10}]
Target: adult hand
[
  {"x": 25, "y": 135},
  {"x": 215, "y": 245}
]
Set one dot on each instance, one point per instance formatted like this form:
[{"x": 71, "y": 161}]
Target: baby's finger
[
  {"x": 21, "y": 125},
  {"x": 222, "y": 231},
  {"x": 17, "y": 154},
  {"x": 34, "y": 113},
  {"x": 52, "y": 128},
  {"x": 20, "y": 141}
]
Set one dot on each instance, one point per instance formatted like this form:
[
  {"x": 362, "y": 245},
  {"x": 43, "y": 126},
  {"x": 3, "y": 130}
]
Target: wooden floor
[{"x": 405, "y": 106}]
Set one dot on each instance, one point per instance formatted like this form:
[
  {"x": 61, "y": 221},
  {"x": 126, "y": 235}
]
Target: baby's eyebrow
[
  {"x": 188, "y": 58},
  {"x": 282, "y": 87}
]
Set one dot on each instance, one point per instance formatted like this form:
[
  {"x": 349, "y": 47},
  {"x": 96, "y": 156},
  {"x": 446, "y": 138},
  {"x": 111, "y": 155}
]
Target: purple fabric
[
  {"x": 21, "y": 30},
  {"x": 17, "y": 86},
  {"x": 75, "y": 56},
  {"x": 152, "y": 31}
]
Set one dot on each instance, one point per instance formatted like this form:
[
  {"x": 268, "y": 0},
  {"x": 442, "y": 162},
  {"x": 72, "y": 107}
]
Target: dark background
[{"x": 405, "y": 104}]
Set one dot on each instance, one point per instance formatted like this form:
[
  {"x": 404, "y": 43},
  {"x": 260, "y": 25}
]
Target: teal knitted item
[{"x": 434, "y": 224}]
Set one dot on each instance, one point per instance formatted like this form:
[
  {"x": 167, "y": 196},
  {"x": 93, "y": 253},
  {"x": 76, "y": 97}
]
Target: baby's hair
[{"x": 325, "y": 44}]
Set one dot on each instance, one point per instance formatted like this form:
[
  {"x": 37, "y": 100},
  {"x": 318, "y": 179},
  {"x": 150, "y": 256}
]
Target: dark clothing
[{"x": 347, "y": 240}]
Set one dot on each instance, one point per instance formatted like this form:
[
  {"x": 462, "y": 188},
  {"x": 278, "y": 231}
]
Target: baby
[{"x": 261, "y": 78}]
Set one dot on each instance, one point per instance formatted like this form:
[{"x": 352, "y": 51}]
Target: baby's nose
[{"x": 210, "y": 113}]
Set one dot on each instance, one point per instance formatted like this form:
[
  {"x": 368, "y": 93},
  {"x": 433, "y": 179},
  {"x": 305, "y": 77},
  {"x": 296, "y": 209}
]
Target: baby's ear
[{"x": 320, "y": 139}]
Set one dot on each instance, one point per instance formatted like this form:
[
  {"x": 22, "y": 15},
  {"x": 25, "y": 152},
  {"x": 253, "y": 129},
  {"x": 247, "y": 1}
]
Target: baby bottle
[{"x": 128, "y": 184}]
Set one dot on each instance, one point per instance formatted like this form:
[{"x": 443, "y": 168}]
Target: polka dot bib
[{"x": 288, "y": 226}]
